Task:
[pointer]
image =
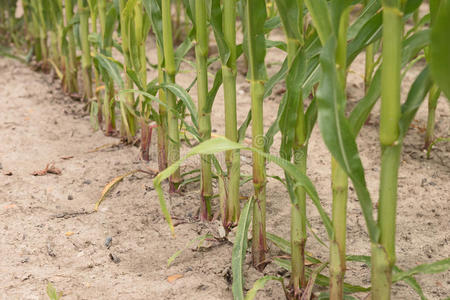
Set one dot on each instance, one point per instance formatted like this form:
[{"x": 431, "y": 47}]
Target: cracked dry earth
[{"x": 49, "y": 232}]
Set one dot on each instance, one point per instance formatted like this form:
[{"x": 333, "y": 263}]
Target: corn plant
[
  {"x": 204, "y": 112},
  {"x": 294, "y": 133},
  {"x": 107, "y": 17},
  {"x": 173, "y": 144},
  {"x": 223, "y": 21},
  {"x": 86, "y": 60},
  {"x": 255, "y": 50},
  {"x": 71, "y": 70},
  {"x": 128, "y": 125}
]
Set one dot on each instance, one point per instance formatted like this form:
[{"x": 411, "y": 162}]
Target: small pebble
[
  {"x": 114, "y": 258},
  {"x": 108, "y": 242},
  {"x": 87, "y": 181},
  {"x": 70, "y": 197}
]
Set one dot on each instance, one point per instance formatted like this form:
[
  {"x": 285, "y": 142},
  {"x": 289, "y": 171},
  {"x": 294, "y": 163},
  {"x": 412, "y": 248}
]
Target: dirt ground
[{"x": 49, "y": 232}]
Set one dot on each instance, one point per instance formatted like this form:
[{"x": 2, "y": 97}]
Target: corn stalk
[{"x": 255, "y": 16}]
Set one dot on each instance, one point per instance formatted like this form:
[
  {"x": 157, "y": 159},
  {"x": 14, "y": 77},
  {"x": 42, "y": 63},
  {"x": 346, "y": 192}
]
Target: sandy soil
[{"x": 49, "y": 232}]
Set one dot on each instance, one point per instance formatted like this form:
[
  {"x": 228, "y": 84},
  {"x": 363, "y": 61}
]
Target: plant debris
[{"x": 49, "y": 169}]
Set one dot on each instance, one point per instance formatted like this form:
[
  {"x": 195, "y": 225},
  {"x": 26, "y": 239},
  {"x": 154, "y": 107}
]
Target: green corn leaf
[
  {"x": 216, "y": 24},
  {"x": 312, "y": 280},
  {"x": 359, "y": 114},
  {"x": 255, "y": 47},
  {"x": 431, "y": 268},
  {"x": 274, "y": 128},
  {"x": 366, "y": 14},
  {"x": 271, "y": 24},
  {"x": 214, "y": 89},
  {"x": 111, "y": 18},
  {"x": 220, "y": 144},
  {"x": 259, "y": 284},
  {"x": 285, "y": 246},
  {"x": 243, "y": 128},
  {"x": 183, "y": 49},
  {"x": 440, "y": 47},
  {"x": 416, "y": 95},
  {"x": 411, "y": 6},
  {"x": 410, "y": 280},
  {"x": 153, "y": 10},
  {"x": 321, "y": 18},
  {"x": 338, "y": 134},
  {"x": 240, "y": 249},
  {"x": 321, "y": 280},
  {"x": 110, "y": 68},
  {"x": 181, "y": 93},
  {"x": 198, "y": 240},
  {"x": 292, "y": 21},
  {"x": 288, "y": 118},
  {"x": 414, "y": 44},
  {"x": 369, "y": 33},
  {"x": 276, "y": 78}
]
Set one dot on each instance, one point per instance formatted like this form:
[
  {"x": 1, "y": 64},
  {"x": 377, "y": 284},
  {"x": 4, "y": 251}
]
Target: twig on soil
[{"x": 67, "y": 215}]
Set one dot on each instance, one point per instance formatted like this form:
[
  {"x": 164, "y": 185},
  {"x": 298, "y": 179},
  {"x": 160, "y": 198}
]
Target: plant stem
[
  {"x": 129, "y": 97},
  {"x": 173, "y": 149},
  {"x": 255, "y": 15},
  {"x": 259, "y": 243},
  {"x": 140, "y": 66},
  {"x": 432, "y": 105},
  {"x": 383, "y": 253},
  {"x": 339, "y": 181},
  {"x": 369, "y": 66},
  {"x": 108, "y": 101},
  {"x": 86, "y": 63},
  {"x": 204, "y": 114},
  {"x": 162, "y": 124},
  {"x": 232, "y": 158},
  {"x": 94, "y": 13},
  {"x": 71, "y": 64}
]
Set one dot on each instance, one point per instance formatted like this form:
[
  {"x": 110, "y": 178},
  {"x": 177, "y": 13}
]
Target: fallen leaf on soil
[
  {"x": 69, "y": 233},
  {"x": 49, "y": 169},
  {"x": 116, "y": 180},
  {"x": 172, "y": 278}
]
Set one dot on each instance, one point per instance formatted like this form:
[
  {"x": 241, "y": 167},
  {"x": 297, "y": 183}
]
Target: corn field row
[{"x": 97, "y": 48}]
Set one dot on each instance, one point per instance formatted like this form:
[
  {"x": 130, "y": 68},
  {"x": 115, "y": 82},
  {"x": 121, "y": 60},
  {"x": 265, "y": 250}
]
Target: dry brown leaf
[
  {"x": 49, "y": 169},
  {"x": 172, "y": 278},
  {"x": 118, "y": 179},
  {"x": 69, "y": 233}
]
